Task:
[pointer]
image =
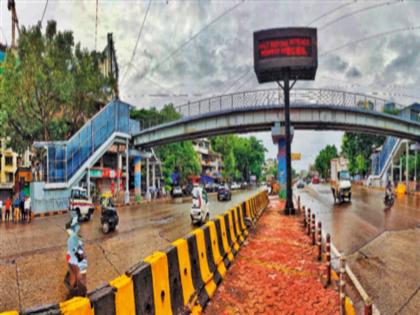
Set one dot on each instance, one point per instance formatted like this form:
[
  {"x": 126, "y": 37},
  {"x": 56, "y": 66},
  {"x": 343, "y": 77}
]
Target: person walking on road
[
  {"x": 27, "y": 207},
  {"x": 8, "y": 204}
]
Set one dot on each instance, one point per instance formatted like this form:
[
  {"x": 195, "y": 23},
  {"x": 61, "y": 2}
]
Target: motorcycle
[
  {"x": 109, "y": 215},
  {"x": 389, "y": 200}
]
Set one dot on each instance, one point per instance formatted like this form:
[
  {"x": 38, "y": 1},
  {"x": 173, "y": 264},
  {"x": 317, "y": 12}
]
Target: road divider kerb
[{"x": 180, "y": 279}]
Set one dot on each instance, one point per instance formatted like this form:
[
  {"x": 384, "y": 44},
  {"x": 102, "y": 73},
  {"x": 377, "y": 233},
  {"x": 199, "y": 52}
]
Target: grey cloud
[
  {"x": 353, "y": 73},
  {"x": 334, "y": 63}
]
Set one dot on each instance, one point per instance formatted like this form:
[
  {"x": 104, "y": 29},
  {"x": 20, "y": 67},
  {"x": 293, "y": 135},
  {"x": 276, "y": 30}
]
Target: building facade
[{"x": 211, "y": 162}]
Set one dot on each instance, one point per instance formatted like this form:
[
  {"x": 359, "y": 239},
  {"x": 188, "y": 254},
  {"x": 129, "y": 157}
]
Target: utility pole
[
  {"x": 11, "y": 6},
  {"x": 289, "y": 208}
]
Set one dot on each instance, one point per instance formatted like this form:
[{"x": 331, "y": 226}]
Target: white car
[
  {"x": 200, "y": 206},
  {"x": 235, "y": 186},
  {"x": 81, "y": 204}
]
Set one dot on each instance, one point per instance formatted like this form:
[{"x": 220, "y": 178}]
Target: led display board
[{"x": 285, "y": 52}]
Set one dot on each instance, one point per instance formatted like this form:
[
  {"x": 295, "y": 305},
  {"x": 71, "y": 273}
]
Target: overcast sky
[{"x": 219, "y": 56}]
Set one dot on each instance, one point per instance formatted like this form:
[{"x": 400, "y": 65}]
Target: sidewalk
[{"x": 276, "y": 272}]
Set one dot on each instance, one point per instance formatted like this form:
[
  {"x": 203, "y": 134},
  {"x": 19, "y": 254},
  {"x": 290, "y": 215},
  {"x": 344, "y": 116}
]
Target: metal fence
[{"x": 273, "y": 97}]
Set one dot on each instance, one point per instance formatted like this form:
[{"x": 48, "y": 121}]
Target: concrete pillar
[
  {"x": 147, "y": 180},
  {"x": 119, "y": 169},
  {"x": 154, "y": 175},
  {"x": 127, "y": 174},
  {"x": 88, "y": 181},
  {"x": 400, "y": 169},
  {"x": 282, "y": 172},
  {"x": 137, "y": 178},
  {"x": 407, "y": 174},
  {"x": 392, "y": 171}
]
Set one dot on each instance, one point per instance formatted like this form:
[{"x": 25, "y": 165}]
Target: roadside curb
[
  {"x": 48, "y": 214},
  {"x": 180, "y": 279}
]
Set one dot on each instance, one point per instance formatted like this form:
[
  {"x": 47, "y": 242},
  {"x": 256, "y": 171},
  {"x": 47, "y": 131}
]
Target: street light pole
[{"x": 289, "y": 209}]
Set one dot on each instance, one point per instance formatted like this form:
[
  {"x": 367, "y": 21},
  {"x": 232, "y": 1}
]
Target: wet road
[
  {"x": 382, "y": 246},
  {"x": 32, "y": 257}
]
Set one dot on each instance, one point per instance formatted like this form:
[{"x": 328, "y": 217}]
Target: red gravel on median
[{"x": 275, "y": 272}]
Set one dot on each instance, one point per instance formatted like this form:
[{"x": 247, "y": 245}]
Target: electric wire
[
  {"x": 374, "y": 36},
  {"x": 45, "y": 10},
  {"x": 330, "y": 12},
  {"x": 353, "y": 13},
  {"x": 133, "y": 54},
  {"x": 179, "y": 48},
  {"x": 237, "y": 80}
]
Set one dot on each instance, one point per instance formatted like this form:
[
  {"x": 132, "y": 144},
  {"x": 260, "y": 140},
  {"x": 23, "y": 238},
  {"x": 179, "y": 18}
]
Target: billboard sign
[{"x": 285, "y": 52}]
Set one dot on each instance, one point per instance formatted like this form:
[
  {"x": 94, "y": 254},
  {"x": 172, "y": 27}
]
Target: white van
[
  {"x": 81, "y": 204},
  {"x": 200, "y": 206}
]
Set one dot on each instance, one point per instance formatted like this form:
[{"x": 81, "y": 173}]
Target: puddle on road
[{"x": 163, "y": 220}]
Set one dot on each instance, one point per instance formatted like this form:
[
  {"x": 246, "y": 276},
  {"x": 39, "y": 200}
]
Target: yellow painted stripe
[
  {"x": 226, "y": 246},
  {"x": 206, "y": 275},
  {"x": 218, "y": 259},
  {"x": 348, "y": 306},
  {"x": 160, "y": 276},
  {"x": 124, "y": 297},
  {"x": 76, "y": 306},
  {"x": 10, "y": 313},
  {"x": 185, "y": 271}
]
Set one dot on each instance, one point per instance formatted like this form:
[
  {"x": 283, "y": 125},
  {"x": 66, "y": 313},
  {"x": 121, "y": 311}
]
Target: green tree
[
  {"x": 322, "y": 161},
  {"x": 230, "y": 171},
  {"x": 354, "y": 144},
  {"x": 49, "y": 87},
  {"x": 153, "y": 116},
  {"x": 248, "y": 153},
  {"x": 176, "y": 157},
  {"x": 361, "y": 164},
  {"x": 179, "y": 157}
]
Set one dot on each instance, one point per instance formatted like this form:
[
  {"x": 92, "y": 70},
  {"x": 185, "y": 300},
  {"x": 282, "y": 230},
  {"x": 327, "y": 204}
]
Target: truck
[{"x": 340, "y": 180}]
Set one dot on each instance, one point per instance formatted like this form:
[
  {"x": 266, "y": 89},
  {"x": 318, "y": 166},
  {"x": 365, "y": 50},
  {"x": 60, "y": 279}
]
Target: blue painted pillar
[
  {"x": 282, "y": 171},
  {"x": 137, "y": 178}
]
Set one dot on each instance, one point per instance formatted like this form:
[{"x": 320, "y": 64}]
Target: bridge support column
[
  {"x": 279, "y": 137},
  {"x": 147, "y": 179},
  {"x": 127, "y": 174},
  {"x": 88, "y": 181},
  {"x": 119, "y": 170},
  {"x": 137, "y": 178},
  {"x": 407, "y": 171},
  {"x": 154, "y": 175}
]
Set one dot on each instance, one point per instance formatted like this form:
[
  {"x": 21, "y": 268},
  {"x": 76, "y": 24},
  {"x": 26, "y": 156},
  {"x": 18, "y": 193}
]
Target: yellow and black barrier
[{"x": 178, "y": 280}]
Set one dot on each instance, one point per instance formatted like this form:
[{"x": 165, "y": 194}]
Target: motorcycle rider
[
  {"x": 76, "y": 260},
  {"x": 389, "y": 191}
]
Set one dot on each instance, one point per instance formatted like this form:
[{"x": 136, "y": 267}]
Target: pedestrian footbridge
[{"x": 250, "y": 111}]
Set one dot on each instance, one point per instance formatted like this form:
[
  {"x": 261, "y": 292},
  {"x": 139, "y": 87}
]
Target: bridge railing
[{"x": 275, "y": 97}]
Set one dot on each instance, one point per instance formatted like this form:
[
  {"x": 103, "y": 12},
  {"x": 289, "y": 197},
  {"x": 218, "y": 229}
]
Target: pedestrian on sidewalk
[
  {"x": 15, "y": 211},
  {"x": 8, "y": 204},
  {"x": 28, "y": 211},
  {"x": 22, "y": 209}
]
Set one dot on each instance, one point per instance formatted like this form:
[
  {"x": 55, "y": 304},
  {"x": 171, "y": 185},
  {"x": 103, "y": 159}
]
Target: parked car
[
  {"x": 224, "y": 193},
  {"x": 187, "y": 190},
  {"x": 211, "y": 187},
  {"x": 176, "y": 191},
  {"x": 300, "y": 184},
  {"x": 81, "y": 204},
  {"x": 200, "y": 206},
  {"x": 315, "y": 180},
  {"x": 234, "y": 186}
]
